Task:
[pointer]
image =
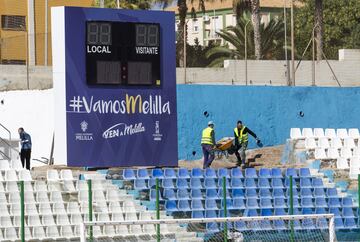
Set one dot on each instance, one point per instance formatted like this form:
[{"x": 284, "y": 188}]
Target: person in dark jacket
[
  {"x": 241, "y": 134},
  {"x": 25, "y": 153}
]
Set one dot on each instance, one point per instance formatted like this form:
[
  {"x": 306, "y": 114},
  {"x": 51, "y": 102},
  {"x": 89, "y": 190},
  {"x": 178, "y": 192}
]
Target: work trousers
[
  {"x": 240, "y": 153},
  {"x": 209, "y": 155},
  {"x": 25, "y": 156}
]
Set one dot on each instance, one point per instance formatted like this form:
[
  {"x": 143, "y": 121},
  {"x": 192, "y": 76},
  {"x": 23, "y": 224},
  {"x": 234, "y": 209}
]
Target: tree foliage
[
  {"x": 126, "y": 4},
  {"x": 196, "y": 54}
]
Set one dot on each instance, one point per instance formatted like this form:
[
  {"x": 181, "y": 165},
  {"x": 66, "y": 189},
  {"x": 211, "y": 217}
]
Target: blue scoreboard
[{"x": 115, "y": 87}]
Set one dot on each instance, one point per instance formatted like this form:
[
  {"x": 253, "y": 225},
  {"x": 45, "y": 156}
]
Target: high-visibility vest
[
  {"x": 242, "y": 138},
  {"x": 206, "y": 136}
]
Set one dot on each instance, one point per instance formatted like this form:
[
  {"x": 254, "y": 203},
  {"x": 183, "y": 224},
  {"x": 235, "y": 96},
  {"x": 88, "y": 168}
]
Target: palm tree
[
  {"x": 182, "y": 8},
  {"x": 271, "y": 42},
  {"x": 319, "y": 28},
  {"x": 126, "y": 4}
]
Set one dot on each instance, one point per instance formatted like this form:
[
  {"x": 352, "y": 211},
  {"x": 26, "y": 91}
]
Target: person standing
[
  {"x": 25, "y": 154},
  {"x": 208, "y": 144},
  {"x": 241, "y": 134}
]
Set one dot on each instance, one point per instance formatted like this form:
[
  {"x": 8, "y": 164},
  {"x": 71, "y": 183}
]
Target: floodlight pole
[{"x": 292, "y": 44}]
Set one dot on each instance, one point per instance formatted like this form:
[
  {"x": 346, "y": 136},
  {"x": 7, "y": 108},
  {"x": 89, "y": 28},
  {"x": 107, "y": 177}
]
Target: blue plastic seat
[
  {"x": 167, "y": 183},
  {"x": 170, "y": 173},
  {"x": 238, "y": 203},
  {"x": 252, "y": 203},
  {"x": 347, "y": 212},
  {"x": 308, "y": 223},
  {"x": 254, "y": 225},
  {"x": 197, "y": 205},
  {"x": 304, "y": 172},
  {"x": 350, "y": 223},
  {"x": 212, "y": 227},
  {"x": 182, "y": 194},
  {"x": 321, "y": 211},
  {"x": 143, "y": 174},
  {"x": 336, "y": 212},
  {"x": 170, "y": 205},
  {"x": 334, "y": 202},
  {"x": 223, "y": 172},
  {"x": 152, "y": 195},
  {"x": 211, "y": 204},
  {"x": 319, "y": 192},
  {"x": 211, "y": 194},
  {"x": 346, "y": 202},
  {"x": 240, "y": 226},
  {"x": 332, "y": 192},
  {"x": 195, "y": 183},
  {"x": 183, "y": 173},
  {"x": 291, "y": 172},
  {"x": 279, "y": 202},
  {"x": 250, "y": 173},
  {"x": 196, "y": 194},
  {"x": 265, "y": 225},
  {"x": 238, "y": 193},
  {"x": 278, "y": 193},
  {"x": 264, "y": 183},
  {"x": 295, "y": 193},
  {"x": 295, "y": 203},
  {"x": 322, "y": 223},
  {"x": 157, "y": 173},
  {"x": 305, "y": 183},
  {"x": 236, "y": 173},
  {"x": 250, "y": 213},
  {"x": 277, "y": 183},
  {"x": 152, "y": 183},
  {"x": 221, "y": 194},
  {"x": 229, "y": 225},
  {"x": 279, "y": 225},
  {"x": 320, "y": 202},
  {"x": 183, "y": 205},
  {"x": 210, "y": 183},
  {"x": 251, "y": 193},
  {"x": 276, "y": 173},
  {"x": 227, "y": 183},
  {"x": 140, "y": 184},
  {"x": 229, "y": 204},
  {"x": 169, "y": 194},
  {"x": 197, "y": 214},
  {"x": 265, "y": 203},
  {"x": 279, "y": 211},
  {"x": 211, "y": 214},
  {"x": 129, "y": 174},
  {"x": 266, "y": 212},
  {"x": 317, "y": 182},
  {"x": 306, "y": 192},
  {"x": 181, "y": 183},
  {"x": 307, "y": 202},
  {"x": 250, "y": 183},
  {"x": 236, "y": 183},
  {"x": 265, "y": 193},
  {"x": 210, "y": 173},
  {"x": 307, "y": 211},
  {"x": 287, "y": 183},
  {"x": 339, "y": 224},
  {"x": 197, "y": 173},
  {"x": 265, "y": 173},
  {"x": 297, "y": 225}
]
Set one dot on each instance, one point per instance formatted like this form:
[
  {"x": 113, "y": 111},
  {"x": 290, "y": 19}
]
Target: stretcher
[{"x": 223, "y": 145}]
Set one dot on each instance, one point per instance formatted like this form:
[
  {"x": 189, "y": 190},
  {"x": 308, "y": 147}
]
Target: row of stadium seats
[
  {"x": 297, "y": 133},
  {"x": 336, "y": 143}
]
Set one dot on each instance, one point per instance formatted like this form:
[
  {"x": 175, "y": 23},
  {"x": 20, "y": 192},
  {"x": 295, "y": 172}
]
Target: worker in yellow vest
[
  {"x": 241, "y": 134},
  {"x": 208, "y": 143}
]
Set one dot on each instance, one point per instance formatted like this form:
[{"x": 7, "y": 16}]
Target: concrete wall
[{"x": 269, "y": 111}]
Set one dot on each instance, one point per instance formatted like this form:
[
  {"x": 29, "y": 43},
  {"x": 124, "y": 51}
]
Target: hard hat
[{"x": 210, "y": 123}]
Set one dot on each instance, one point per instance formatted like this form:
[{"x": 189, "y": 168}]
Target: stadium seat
[
  {"x": 44, "y": 208},
  {"x": 10, "y": 234},
  {"x": 342, "y": 133},
  {"x": 140, "y": 184},
  {"x": 319, "y": 133},
  {"x": 277, "y": 183},
  {"x": 346, "y": 153},
  {"x": 265, "y": 203},
  {"x": 4, "y": 165},
  {"x": 238, "y": 203},
  {"x": 221, "y": 194},
  {"x": 349, "y": 223},
  {"x": 29, "y": 197},
  {"x": 183, "y": 205},
  {"x": 63, "y": 219},
  {"x": 181, "y": 183},
  {"x": 250, "y": 183},
  {"x": 307, "y": 223},
  {"x": 30, "y": 209},
  {"x": 196, "y": 194},
  {"x": 304, "y": 173},
  {"x": 334, "y": 202},
  {"x": 306, "y": 202},
  {"x": 320, "y": 211},
  {"x": 197, "y": 214},
  {"x": 47, "y": 219},
  {"x": 5, "y": 221},
  {"x": 112, "y": 195},
  {"x": 265, "y": 173},
  {"x": 332, "y": 153},
  {"x": 169, "y": 194},
  {"x": 322, "y": 223},
  {"x": 251, "y": 213},
  {"x": 251, "y": 193},
  {"x": 295, "y": 133},
  {"x": 236, "y": 173},
  {"x": 182, "y": 194},
  {"x": 320, "y": 154},
  {"x": 306, "y": 192},
  {"x": 157, "y": 173},
  {"x": 211, "y": 214},
  {"x": 195, "y": 183},
  {"x": 211, "y": 204},
  {"x": 279, "y": 212},
  {"x": 238, "y": 193},
  {"x": 307, "y": 133},
  {"x": 10, "y": 175},
  {"x": 310, "y": 144},
  {"x": 67, "y": 232},
  {"x": 197, "y": 173},
  {"x": 66, "y": 175},
  {"x": 3, "y": 199},
  {"x": 14, "y": 197},
  {"x": 114, "y": 207},
  {"x": 183, "y": 173},
  {"x": 223, "y": 172},
  {"x": 265, "y": 193},
  {"x": 263, "y": 183},
  {"x": 348, "y": 212},
  {"x": 295, "y": 192},
  {"x": 346, "y": 202},
  {"x": 25, "y": 175},
  {"x": 320, "y": 202},
  {"x": 331, "y": 192},
  {"x": 250, "y": 173},
  {"x": 287, "y": 182},
  {"x": 212, "y": 227},
  {"x": 324, "y": 143},
  {"x": 210, "y": 183},
  {"x": 339, "y": 224},
  {"x": 319, "y": 192},
  {"x": 170, "y": 173},
  {"x": 278, "y": 193},
  {"x": 336, "y": 143},
  {"x": 295, "y": 203},
  {"x": 240, "y": 226},
  {"x": 266, "y": 212},
  {"x": 279, "y": 203},
  {"x": 211, "y": 194},
  {"x": 305, "y": 183},
  {"x": 317, "y": 182},
  {"x": 129, "y": 174},
  {"x": 170, "y": 205},
  {"x": 210, "y": 173},
  {"x": 356, "y": 151},
  {"x": 142, "y": 174},
  {"x": 354, "y": 133},
  {"x": 252, "y": 203},
  {"x": 52, "y": 175},
  {"x": 229, "y": 205},
  {"x": 152, "y": 195},
  {"x": 330, "y": 133},
  {"x": 167, "y": 183},
  {"x": 227, "y": 183},
  {"x": 236, "y": 183},
  {"x": 279, "y": 225},
  {"x": 342, "y": 163},
  {"x": 349, "y": 143}
]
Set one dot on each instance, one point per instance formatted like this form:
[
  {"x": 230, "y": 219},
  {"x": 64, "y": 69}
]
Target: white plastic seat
[
  {"x": 38, "y": 233},
  {"x": 40, "y": 186},
  {"x": 98, "y": 196},
  {"x": 319, "y": 133},
  {"x": 336, "y": 143},
  {"x": 117, "y": 217},
  {"x": 130, "y": 216},
  {"x": 66, "y": 231},
  {"x": 10, "y": 234},
  {"x": 10, "y": 175},
  {"x": 83, "y": 196},
  {"x": 97, "y": 231},
  {"x": 320, "y": 154},
  {"x": 145, "y": 215},
  {"x": 295, "y": 133},
  {"x": 84, "y": 207},
  {"x": 342, "y": 163},
  {"x": 109, "y": 230},
  {"x": 56, "y": 196},
  {"x": 1, "y": 187},
  {"x": 4, "y": 209},
  {"x": 342, "y": 133},
  {"x": 307, "y": 133},
  {"x": 54, "y": 186},
  {"x": 101, "y": 207},
  {"x": 62, "y": 219},
  {"x": 4, "y": 165},
  {"x": 136, "y": 230},
  {"x": 15, "y": 209},
  {"x": 25, "y": 175},
  {"x": 5, "y": 221},
  {"x": 14, "y": 197},
  {"x": 310, "y": 144},
  {"x": 356, "y": 152},
  {"x": 72, "y": 207},
  {"x": 69, "y": 186},
  {"x": 44, "y": 208},
  {"x": 47, "y": 220},
  {"x": 97, "y": 185},
  {"x": 30, "y": 209},
  {"x": 59, "y": 208},
  {"x": 29, "y": 197},
  {"x": 28, "y": 186},
  {"x": 1, "y": 176},
  {"x": 103, "y": 217},
  {"x": 330, "y": 133},
  {"x": 128, "y": 206},
  {"x": 346, "y": 153},
  {"x": 16, "y": 165},
  {"x": 76, "y": 218},
  {"x": 332, "y": 153},
  {"x": 122, "y": 229},
  {"x": 3, "y": 197},
  {"x": 66, "y": 175},
  {"x": 11, "y": 186},
  {"x": 81, "y": 185},
  {"x": 354, "y": 167},
  {"x": 354, "y": 133},
  {"x": 349, "y": 143},
  {"x": 52, "y": 232},
  {"x": 112, "y": 195},
  {"x": 34, "y": 220},
  {"x": 42, "y": 197},
  {"x": 28, "y": 235},
  {"x": 114, "y": 207},
  {"x": 323, "y": 143},
  {"x": 52, "y": 175},
  {"x": 17, "y": 221},
  {"x": 149, "y": 229}
]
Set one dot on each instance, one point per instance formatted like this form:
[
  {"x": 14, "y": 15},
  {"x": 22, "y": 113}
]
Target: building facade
[{"x": 25, "y": 34}]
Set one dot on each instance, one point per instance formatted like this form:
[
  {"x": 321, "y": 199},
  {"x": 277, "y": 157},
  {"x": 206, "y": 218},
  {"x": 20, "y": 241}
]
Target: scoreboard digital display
[{"x": 122, "y": 53}]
